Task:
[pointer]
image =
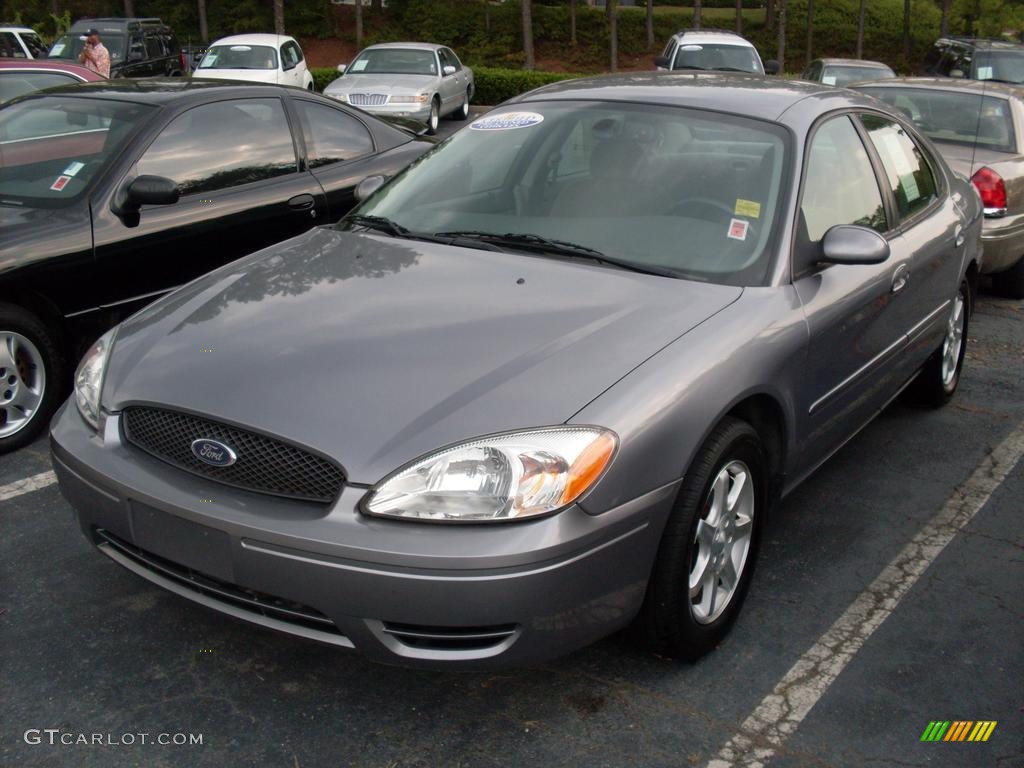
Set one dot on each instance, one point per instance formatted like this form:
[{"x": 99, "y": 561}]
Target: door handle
[
  {"x": 900, "y": 278},
  {"x": 302, "y": 202},
  {"x": 960, "y": 237}
]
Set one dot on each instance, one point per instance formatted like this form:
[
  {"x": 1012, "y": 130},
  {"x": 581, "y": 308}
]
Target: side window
[
  {"x": 9, "y": 46},
  {"x": 443, "y": 58},
  {"x": 331, "y": 135},
  {"x": 452, "y": 59},
  {"x": 840, "y": 187},
  {"x": 962, "y": 64},
  {"x": 909, "y": 175},
  {"x": 17, "y": 83},
  {"x": 289, "y": 55},
  {"x": 34, "y": 44},
  {"x": 221, "y": 145},
  {"x": 154, "y": 46}
]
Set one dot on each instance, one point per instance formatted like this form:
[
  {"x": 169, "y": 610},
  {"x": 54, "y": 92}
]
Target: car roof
[
  {"x": 38, "y": 65},
  {"x": 114, "y": 23},
  {"x": 988, "y": 87},
  {"x": 750, "y": 95},
  {"x": 16, "y": 29},
  {"x": 428, "y": 46},
  {"x": 721, "y": 36},
  {"x": 997, "y": 43},
  {"x": 855, "y": 63},
  {"x": 262, "y": 38}
]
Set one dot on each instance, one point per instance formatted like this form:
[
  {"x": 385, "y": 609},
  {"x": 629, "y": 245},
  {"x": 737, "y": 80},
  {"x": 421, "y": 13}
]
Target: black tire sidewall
[{"x": 13, "y": 318}]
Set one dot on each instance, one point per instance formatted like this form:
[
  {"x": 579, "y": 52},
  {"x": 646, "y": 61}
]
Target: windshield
[
  {"x": 681, "y": 191},
  {"x": 958, "y": 118},
  {"x": 844, "y": 75},
  {"x": 394, "y": 61},
  {"x": 34, "y": 44},
  {"x": 721, "y": 57},
  {"x": 70, "y": 45},
  {"x": 240, "y": 57},
  {"x": 1007, "y": 66},
  {"x": 51, "y": 148}
]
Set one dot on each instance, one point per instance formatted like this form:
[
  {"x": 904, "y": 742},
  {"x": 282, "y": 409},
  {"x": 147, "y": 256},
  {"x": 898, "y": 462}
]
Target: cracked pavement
[{"x": 88, "y": 647}]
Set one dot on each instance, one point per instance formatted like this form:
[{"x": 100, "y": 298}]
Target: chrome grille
[
  {"x": 264, "y": 465},
  {"x": 368, "y": 99}
]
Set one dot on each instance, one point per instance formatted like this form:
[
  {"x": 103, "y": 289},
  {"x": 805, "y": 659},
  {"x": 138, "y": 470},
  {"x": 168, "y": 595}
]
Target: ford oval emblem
[{"x": 213, "y": 452}]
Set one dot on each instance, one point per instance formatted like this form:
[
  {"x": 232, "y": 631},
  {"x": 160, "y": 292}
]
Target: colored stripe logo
[{"x": 958, "y": 730}]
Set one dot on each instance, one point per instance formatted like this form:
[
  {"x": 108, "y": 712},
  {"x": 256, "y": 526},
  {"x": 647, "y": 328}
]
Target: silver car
[
  {"x": 420, "y": 81},
  {"x": 978, "y": 126},
  {"x": 546, "y": 382}
]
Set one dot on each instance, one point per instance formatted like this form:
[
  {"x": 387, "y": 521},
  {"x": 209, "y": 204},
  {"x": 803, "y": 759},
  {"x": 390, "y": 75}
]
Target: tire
[
  {"x": 31, "y": 377},
  {"x": 1010, "y": 284},
  {"x": 462, "y": 112},
  {"x": 435, "y": 116},
  {"x": 937, "y": 382},
  {"x": 676, "y": 620}
]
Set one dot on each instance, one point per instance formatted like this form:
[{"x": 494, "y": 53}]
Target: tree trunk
[
  {"x": 204, "y": 29},
  {"x": 129, "y": 9},
  {"x": 359, "y": 23},
  {"x": 739, "y": 17},
  {"x": 944, "y": 25},
  {"x": 906, "y": 31},
  {"x": 613, "y": 34},
  {"x": 649, "y": 20},
  {"x": 528, "y": 34},
  {"x": 769, "y": 14},
  {"x": 810, "y": 31},
  {"x": 860, "y": 29},
  {"x": 279, "y": 17},
  {"x": 572, "y": 21},
  {"x": 698, "y": 8},
  {"x": 780, "y": 21}
]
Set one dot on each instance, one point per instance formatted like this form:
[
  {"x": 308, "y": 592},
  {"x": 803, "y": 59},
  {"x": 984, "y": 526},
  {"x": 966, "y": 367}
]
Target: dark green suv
[
  {"x": 976, "y": 58},
  {"x": 138, "y": 47}
]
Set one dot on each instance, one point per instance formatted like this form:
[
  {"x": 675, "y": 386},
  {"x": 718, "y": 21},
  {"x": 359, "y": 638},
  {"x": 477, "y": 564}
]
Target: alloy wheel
[
  {"x": 22, "y": 382},
  {"x": 952, "y": 345}
]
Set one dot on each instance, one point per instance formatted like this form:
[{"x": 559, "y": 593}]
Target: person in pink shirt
[{"x": 95, "y": 55}]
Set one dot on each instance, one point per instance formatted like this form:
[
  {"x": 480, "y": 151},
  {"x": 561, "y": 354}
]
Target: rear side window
[
  {"x": 909, "y": 175},
  {"x": 10, "y": 47},
  {"x": 222, "y": 145},
  {"x": 17, "y": 83},
  {"x": 331, "y": 135}
]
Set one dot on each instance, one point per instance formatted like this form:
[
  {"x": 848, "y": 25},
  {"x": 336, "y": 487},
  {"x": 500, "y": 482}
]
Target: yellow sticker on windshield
[{"x": 748, "y": 208}]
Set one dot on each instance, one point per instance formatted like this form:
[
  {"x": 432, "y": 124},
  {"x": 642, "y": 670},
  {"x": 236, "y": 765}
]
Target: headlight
[
  {"x": 89, "y": 379},
  {"x": 419, "y": 98},
  {"x": 504, "y": 477}
]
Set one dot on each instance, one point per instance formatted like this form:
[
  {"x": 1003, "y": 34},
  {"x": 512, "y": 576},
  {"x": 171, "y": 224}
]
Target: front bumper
[
  {"x": 419, "y": 112},
  {"x": 417, "y": 594},
  {"x": 1002, "y": 242}
]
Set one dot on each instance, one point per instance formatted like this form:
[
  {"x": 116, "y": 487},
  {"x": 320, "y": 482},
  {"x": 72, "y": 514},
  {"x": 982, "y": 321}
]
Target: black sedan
[{"x": 112, "y": 194}]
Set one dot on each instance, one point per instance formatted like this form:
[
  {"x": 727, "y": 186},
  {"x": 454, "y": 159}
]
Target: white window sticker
[
  {"x": 74, "y": 168},
  {"x": 507, "y": 121},
  {"x": 359, "y": 66},
  {"x": 58, "y": 49},
  {"x": 829, "y": 79},
  {"x": 984, "y": 73},
  {"x": 738, "y": 229}
]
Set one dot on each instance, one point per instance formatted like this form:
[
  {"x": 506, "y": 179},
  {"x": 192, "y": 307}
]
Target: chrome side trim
[
  {"x": 928, "y": 319},
  {"x": 901, "y": 341},
  {"x": 140, "y": 297}
]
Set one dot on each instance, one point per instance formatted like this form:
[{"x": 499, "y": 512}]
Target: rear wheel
[
  {"x": 462, "y": 112},
  {"x": 31, "y": 377},
  {"x": 1011, "y": 282},
  {"x": 938, "y": 380},
  {"x": 706, "y": 557},
  {"x": 435, "y": 116}
]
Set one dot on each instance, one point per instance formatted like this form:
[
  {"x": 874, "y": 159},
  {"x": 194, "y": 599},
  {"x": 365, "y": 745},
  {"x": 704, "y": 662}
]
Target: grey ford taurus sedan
[{"x": 545, "y": 383}]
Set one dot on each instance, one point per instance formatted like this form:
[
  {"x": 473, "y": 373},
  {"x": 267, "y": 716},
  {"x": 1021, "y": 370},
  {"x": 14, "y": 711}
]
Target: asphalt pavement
[{"x": 90, "y": 650}]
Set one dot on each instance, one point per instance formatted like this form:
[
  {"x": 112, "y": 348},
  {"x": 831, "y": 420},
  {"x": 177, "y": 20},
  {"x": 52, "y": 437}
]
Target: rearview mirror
[
  {"x": 772, "y": 67},
  {"x": 851, "y": 244},
  {"x": 662, "y": 62},
  {"x": 342, "y": 67},
  {"x": 368, "y": 186}
]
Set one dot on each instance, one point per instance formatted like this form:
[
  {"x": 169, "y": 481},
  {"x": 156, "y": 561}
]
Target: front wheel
[
  {"x": 435, "y": 117},
  {"x": 31, "y": 377},
  {"x": 706, "y": 557},
  {"x": 938, "y": 380}
]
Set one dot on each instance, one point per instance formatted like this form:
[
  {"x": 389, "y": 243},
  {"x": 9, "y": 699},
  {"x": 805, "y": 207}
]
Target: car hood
[
  {"x": 380, "y": 83},
  {"x": 375, "y": 350}
]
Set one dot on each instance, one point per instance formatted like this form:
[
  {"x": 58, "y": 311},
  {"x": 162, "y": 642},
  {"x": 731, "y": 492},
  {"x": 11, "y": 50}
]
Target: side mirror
[
  {"x": 662, "y": 62},
  {"x": 341, "y": 68},
  {"x": 368, "y": 186},
  {"x": 448, "y": 69},
  {"x": 851, "y": 244},
  {"x": 150, "y": 190},
  {"x": 772, "y": 67}
]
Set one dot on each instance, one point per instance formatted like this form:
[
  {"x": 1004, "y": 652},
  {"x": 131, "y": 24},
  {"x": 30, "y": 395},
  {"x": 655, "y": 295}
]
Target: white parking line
[
  {"x": 29, "y": 484},
  {"x": 779, "y": 714}
]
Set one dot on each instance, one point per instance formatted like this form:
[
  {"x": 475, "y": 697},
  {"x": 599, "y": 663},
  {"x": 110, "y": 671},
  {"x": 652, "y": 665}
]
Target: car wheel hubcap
[
  {"x": 433, "y": 117},
  {"x": 721, "y": 542},
  {"x": 953, "y": 344},
  {"x": 22, "y": 382}
]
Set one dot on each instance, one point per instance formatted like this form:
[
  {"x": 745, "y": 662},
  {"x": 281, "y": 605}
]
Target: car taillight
[
  {"x": 992, "y": 190},
  {"x": 184, "y": 62}
]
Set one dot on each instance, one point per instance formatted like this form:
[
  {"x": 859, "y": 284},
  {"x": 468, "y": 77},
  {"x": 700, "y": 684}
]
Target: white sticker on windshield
[
  {"x": 359, "y": 66},
  {"x": 507, "y": 121},
  {"x": 738, "y": 229},
  {"x": 984, "y": 73},
  {"x": 73, "y": 168},
  {"x": 829, "y": 79},
  {"x": 57, "y": 49}
]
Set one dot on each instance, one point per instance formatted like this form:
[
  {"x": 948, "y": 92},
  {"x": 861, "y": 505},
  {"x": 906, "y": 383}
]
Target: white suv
[
  {"x": 21, "y": 43},
  {"x": 715, "y": 50}
]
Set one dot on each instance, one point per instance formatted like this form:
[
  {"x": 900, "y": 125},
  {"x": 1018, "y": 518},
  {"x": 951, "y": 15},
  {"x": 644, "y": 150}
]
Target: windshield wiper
[
  {"x": 380, "y": 223},
  {"x": 558, "y": 247}
]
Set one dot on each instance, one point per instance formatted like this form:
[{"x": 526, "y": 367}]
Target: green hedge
[{"x": 493, "y": 86}]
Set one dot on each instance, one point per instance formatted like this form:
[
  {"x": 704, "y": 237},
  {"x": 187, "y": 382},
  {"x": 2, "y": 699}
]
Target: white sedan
[{"x": 260, "y": 58}]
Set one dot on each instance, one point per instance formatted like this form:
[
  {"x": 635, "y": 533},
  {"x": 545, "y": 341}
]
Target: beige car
[{"x": 978, "y": 127}]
